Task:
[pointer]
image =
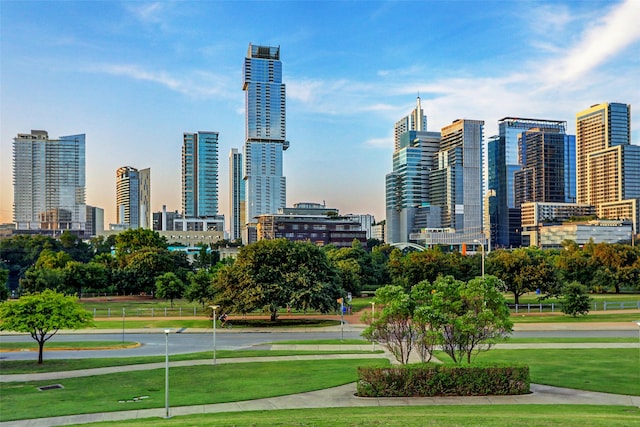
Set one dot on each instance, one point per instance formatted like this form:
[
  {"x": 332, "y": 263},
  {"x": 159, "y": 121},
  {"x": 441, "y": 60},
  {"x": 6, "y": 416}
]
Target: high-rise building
[
  {"x": 200, "y": 174},
  {"x": 407, "y": 187},
  {"x": 503, "y": 161},
  {"x": 416, "y": 120},
  {"x": 133, "y": 197},
  {"x": 608, "y": 166},
  {"x": 237, "y": 202},
  {"x": 49, "y": 182},
  {"x": 265, "y": 129},
  {"x": 542, "y": 176}
]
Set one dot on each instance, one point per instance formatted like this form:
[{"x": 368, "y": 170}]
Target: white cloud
[
  {"x": 386, "y": 142},
  {"x": 609, "y": 36}
]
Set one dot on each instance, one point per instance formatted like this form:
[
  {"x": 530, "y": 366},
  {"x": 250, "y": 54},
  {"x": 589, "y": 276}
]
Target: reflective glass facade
[
  {"x": 49, "y": 182},
  {"x": 265, "y": 128},
  {"x": 200, "y": 174}
]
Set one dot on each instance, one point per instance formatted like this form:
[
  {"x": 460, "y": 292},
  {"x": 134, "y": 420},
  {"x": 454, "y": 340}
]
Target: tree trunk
[
  {"x": 274, "y": 315},
  {"x": 40, "y": 351}
]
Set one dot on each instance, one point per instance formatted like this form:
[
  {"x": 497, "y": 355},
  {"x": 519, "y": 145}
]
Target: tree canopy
[
  {"x": 42, "y": 315},
  {"x": 271, "y": 274}
]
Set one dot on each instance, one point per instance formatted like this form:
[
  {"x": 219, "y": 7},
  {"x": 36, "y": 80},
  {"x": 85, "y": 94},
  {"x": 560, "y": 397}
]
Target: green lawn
[
  {"x": 411, "y": 416},
  {"x": 571, "y": 340},
  {"x": 605, "y": 370},
  {"x": 191, "y": 385},
  {"x": 56, "y": 365},
  {"x": 560, "y": 318},
  {"x": 50, "y": 345}
]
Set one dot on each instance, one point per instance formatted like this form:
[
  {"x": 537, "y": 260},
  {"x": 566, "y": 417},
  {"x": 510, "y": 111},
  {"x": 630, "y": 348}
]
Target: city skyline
[{"x": 133, "y": 77}]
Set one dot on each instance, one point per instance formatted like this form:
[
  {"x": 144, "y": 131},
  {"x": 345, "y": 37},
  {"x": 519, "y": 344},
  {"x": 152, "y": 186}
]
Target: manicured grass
[
  {"x": 56, "y": 365},
  {"x": 410, "y": 416},
  {"x": 570, "y": 340},
  {"x": 560, "y": 318},
  {"x": 605, "y": 370},
  {"x": 79, "y": 345},
  {"x": 162, "y": 323},
  {"x": 532, "y": 298},
  {"x": 324, "y": 342},
  {"x": 191, "y": 385}
]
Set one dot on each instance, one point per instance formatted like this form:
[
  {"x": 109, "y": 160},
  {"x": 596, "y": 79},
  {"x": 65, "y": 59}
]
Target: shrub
[{"x": 426, "y": 380}]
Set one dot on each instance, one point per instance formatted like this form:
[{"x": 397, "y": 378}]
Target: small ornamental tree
[
  {"x": 575, "y": 300},
  {"x": 42, "y": 315}
]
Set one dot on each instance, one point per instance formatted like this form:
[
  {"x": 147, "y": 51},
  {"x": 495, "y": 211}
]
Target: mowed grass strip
[
  {"x": 70, "y": 345},
  {"x": 604, "y": 370},
  {"x": 56, "y": 365},
  {"x": 625, "y": 318},
  {"x": 410, "y": 416},
  {"x": 191, "y": 385}
]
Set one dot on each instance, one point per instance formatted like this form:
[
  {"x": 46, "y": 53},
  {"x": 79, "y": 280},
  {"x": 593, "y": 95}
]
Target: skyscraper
[
  {"x": 133, "y": 197},
  {"x": 542, "y": 177},
  {"x": 502, "y": 163},
  {"x": 265, "y": 130},
  {"x": 608, "y": 166},
  {"x": 237, "y": 202},
  {"x": 407, "y": 187},
  {"x": 200, "y": 174},
  {"x": 49, "y": 182}
]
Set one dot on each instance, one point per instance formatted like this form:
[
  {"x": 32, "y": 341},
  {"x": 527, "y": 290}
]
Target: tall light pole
[
  {"x": 482, "y": 249},
  {"x": 214, "y": 308},
  {"x": 373, "y": 318},
  {"x": 166, "y": 372}
]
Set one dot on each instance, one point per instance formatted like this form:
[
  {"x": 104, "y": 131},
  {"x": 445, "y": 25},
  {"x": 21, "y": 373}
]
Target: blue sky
[{"x": 135, "y": 75}]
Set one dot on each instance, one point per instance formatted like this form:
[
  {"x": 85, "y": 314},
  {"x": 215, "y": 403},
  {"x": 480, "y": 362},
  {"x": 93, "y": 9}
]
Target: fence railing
[
  {"x": 200, "y": 312},
  {"x": 595, "y": 306}
]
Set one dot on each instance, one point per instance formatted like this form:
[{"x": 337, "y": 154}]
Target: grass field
[
  {"x": 191, "y": 385},
  {"x": 410, "y": 416}
]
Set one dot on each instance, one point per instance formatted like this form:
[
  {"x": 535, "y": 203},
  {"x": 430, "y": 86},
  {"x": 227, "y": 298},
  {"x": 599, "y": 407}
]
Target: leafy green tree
[
  {"x": 132, "y": 240},
  {"x": 467, "y": 317},
  {"x": 89, "y": 277},
  {"x": 20, "y": 252},
  {"x": 4, "y": 288},
  {"x": 200, "y": 287},
  {"x": 169, "y": 286},
  {"x": 575, "y": 300},
  {"x": 144, "y": 265},
  {"x": 271, "y": 274},
  {"x": 42, "y": 315},
  {"x": 392, "y": 326},
  {"x": 39, "y": 279}
]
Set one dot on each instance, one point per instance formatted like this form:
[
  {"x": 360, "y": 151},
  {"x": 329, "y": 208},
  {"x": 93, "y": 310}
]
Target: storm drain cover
[{"x": 50, "y": 387}]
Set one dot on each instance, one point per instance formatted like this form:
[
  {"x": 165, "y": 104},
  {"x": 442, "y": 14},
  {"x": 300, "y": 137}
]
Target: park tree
[
  {"x": 575, "y": 300},
  {"x": 468, "y": 317},
  {"x": 143, "y": 266},
  {"x": 200, "y": 287},
  {"x": 4, "y": 284},
  {"x": 135, "y": 239},
  {"x": 271, "y": 274},
  {"x": 42, "y": 315},
  {"x": 169, "y": 286},
  {"x": 39, "y": 279},
  {"x": 392, "y": 326},
  {"x": 81, "y": 278}
]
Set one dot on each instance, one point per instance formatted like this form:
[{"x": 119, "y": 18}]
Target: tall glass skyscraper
[
  {"x": 503, "y": 162},
  {"x": 200, "y": 174},
  {"x": 237, "y": 203},
  {"x": 265, "y": 130},
  {"x": 133, "y": 197},
  {"x": 49, "y": 182}
]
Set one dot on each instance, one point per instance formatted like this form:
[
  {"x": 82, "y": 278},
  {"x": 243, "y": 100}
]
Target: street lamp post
[
  {"x": 482, "y": 249},
  {"x": 373, "y": 318},
  {"x": 214, "y": 308},
  {"x": 166, "y": 372}
]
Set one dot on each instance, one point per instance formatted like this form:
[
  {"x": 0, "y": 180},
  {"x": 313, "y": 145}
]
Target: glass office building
[
  {"x": 49, "y": 182},
  {"x": 200, "y": 174},
  {"x": 265, "y": 129}
]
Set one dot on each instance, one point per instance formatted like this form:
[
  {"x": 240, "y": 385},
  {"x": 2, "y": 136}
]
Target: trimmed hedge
[{"x": 425, "y": 380}]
